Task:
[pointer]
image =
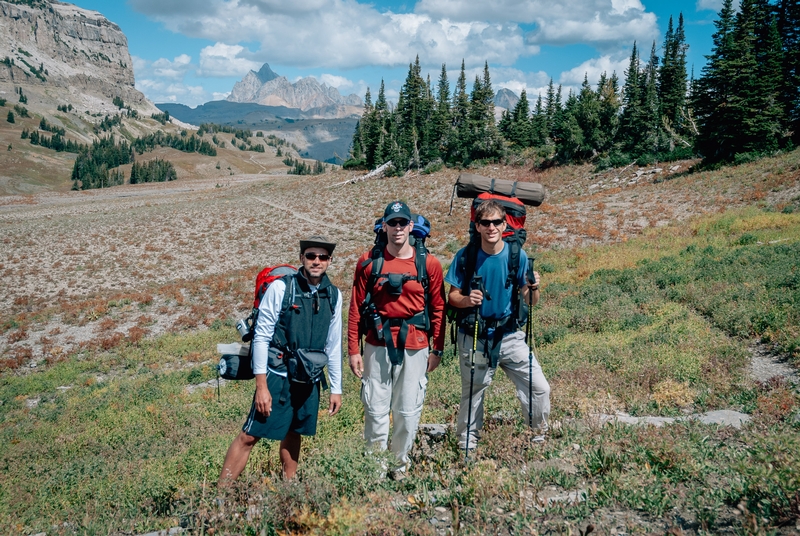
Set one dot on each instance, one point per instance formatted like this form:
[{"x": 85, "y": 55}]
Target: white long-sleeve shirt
[{"x": 268, "y": 312}]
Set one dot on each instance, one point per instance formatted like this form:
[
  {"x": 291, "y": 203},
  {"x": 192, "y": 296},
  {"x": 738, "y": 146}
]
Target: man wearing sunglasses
[
  {"x": 282, "y": 409},
  {"x": 395, "y": 361},
  {"x": 493, "y": 301}
]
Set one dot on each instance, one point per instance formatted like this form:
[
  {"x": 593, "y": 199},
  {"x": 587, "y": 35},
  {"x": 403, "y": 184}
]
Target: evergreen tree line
[
  {"x": 153, "y": 171},
  {"x": 47, "y": 127},
  {"x": 187, "y": 144},
  {"x": 94, "y": 166},
  {"x": 242, "y": 134},
  {"x": 162, "y": 118},
  {"x": 746, "y": 103},
  {"x": 299, "y": 167},
  {"x": 56, "y": 142},
  {"x": 108, "y": 123},
  {"x": 427, "y": 127}
]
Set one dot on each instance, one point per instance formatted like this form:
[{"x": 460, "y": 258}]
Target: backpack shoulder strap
[
  {"x": 467, "y": 263},
  {"x": 514, "y": 258},
  {"x": 333, "y": 293},
  {"x": 289, "y": 294}
]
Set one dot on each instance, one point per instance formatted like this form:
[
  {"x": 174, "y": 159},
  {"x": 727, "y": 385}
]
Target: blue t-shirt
[{"x": 494, "y": 270}]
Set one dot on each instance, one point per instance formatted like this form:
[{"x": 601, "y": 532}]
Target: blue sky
[{"x": 192, "y": 52}]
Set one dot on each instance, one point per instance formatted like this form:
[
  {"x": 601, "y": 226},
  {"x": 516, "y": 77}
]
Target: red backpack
[
  {"x": 263, "y": 280},
  {"x": 236, "y": 360}
]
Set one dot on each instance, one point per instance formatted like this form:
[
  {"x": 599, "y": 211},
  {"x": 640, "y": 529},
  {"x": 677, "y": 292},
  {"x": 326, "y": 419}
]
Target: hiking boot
[{"x": 398, "y": 474}]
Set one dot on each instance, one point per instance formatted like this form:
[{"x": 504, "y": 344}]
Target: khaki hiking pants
[
  {"x": 514, "y": 361},
  {"x": 399, "y": 389}
]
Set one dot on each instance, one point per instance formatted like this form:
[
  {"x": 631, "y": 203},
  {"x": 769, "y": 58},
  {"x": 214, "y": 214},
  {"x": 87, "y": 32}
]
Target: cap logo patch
[{"x": 396, "y": 207}]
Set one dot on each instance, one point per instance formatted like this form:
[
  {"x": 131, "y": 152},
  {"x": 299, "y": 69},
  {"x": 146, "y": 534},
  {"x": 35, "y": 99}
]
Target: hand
[
  {"x": 475, "y": 298},
  {"x": 357, "y": 365},
  {"x": 335, "y": 404},
  {"x": 536, "y": 279},
  {"x": 433, "y": 361},
  {"x": 263, "y": 400}
]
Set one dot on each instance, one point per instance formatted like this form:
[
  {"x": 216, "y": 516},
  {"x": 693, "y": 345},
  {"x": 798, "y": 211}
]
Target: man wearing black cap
[
  {"x": 398, "y": 303},
  {"x": 282, "y": 409}
]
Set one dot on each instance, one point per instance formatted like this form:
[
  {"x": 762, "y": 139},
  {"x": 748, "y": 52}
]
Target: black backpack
[{"x": 370, "y": 319}]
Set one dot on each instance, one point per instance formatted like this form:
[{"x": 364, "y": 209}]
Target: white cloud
[
  {"x": 516, "y": 80},
  {"x": 216, "y": 95},
  {"x": 592, "y": 69},
  {"x": 176, "y": 68},
  {"x": 339, "y": 33},
  {"x": 713, "y": 5},
  {"x": 139, "y": 65},
  {"x": 339, "y": 82},
  {"x": 162, "y": 91},
  {"x": 225, "y": 60}
]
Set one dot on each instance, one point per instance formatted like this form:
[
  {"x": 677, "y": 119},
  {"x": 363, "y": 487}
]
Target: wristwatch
[{"x": 437, "y": 353}]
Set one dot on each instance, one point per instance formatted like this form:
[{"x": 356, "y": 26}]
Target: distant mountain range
[{"x": 270, "y": 89}]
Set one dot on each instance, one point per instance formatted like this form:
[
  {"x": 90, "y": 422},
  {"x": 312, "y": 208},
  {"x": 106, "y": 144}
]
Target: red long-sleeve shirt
[{"x": 409, "y": 303}]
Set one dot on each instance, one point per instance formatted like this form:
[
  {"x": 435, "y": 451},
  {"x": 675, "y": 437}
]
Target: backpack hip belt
[
  {"x": 419, "y": 320},
  {"x": 491, "y": 332}
]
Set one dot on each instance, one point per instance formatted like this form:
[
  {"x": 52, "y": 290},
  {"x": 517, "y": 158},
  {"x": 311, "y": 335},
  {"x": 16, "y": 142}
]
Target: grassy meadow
[{"x": 111, "y": 441}]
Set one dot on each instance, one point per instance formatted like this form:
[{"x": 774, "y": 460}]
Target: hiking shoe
[
  {"x": 538, "y": 438},
  {"x": 398, "y": 474}
]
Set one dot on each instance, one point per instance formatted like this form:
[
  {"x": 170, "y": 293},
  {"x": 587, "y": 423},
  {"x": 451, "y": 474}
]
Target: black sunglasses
[
  {"x": 321, "y": 256},
  {"x": 402, "y": 222},
  {"x": 496, "y": 223}
]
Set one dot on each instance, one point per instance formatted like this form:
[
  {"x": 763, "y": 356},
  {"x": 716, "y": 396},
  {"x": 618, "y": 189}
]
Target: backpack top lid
[
  {"x": 470, "y": 186},
  {"x": 266, "y": 276},
  {"x": 421, "y": 230}
]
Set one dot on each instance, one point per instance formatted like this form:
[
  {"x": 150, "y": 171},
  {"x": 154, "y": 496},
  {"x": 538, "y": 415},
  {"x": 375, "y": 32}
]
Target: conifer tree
[
  {"x": 789, "y": 30},
  {"x": 457, "y": 148},
  {"x": 651, "y": 142},
  {"x": 553, "y": 106},
  {"x": 672, "y": 78},
  {"x": 519, "y": 125},
  {"x": 609, "y": 101},
  {"x": 442, "y": 117},
  {"x": 631, "y": 122},
  {"x": 711, "y": 96},
  {"x": 587, "y": 115},
  {"x": 539, "y": 133},
  {"x": 568, "y": 133}
]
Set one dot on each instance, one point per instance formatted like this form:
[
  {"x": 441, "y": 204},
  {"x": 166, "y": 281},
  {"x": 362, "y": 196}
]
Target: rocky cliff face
[
  {"x": 267, "y": 88},
  {"x": 54, "y": 45}
]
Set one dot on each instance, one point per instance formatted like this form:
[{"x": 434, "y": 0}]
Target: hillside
[
  {"x": 70, "y": 69},
  {"x": 109, "y": 373},
  {"x": 317, "y": 136}
]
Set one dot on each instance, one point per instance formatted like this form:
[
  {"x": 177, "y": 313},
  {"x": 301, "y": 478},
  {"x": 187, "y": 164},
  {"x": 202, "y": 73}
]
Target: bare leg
[
  {"x": 290, "y": 454},
  {"x": 236, "y": 458}
]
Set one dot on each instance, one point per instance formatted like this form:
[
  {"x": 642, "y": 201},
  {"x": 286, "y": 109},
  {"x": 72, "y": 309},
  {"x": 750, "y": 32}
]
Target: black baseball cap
[{"x": 396, "y": 209}]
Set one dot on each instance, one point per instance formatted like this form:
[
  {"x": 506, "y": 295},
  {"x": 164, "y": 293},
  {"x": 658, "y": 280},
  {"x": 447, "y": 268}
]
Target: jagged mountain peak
[
  {"x": 265, "y": 74},
  {"x": 269, "y": 88},
  {"x": 505, "y": 98}
]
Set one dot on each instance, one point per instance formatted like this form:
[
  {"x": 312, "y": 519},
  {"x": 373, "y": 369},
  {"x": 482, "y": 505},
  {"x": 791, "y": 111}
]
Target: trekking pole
[
  {"x": 474, "y": 284},
  {"x": 529, "y": 337}
]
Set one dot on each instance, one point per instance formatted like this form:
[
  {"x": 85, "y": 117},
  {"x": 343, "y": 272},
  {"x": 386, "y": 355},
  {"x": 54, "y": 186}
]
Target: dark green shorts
[{"x": 297, "y": 413}]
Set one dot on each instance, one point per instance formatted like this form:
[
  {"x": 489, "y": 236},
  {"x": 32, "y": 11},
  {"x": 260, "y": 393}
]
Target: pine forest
[{"x": 745, "y": 104}]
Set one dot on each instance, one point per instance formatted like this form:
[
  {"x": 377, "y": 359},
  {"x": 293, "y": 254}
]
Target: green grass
[{"x": 658, "y": 325}]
